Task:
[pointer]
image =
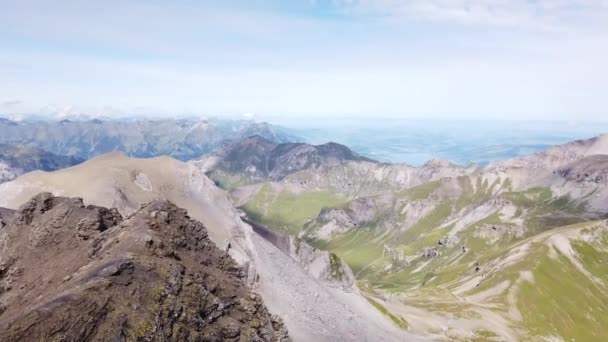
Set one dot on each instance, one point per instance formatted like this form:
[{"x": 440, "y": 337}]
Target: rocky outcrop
[
  {"x": 257, "y": 158},
  {"x": 321, "y": 265},
  {"x": 8, "y": 173},
  {"x": 5, "y": 216},
  {"x": 358, "y": 213},
  {"x": 72, "y": 272},
  {"x": 340, "y": 216},
  {"x": 592, "y": 169}
]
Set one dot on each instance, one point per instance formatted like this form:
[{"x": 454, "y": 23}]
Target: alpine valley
[
  {"x": 515, "y": 250},
  {"x": 233, "y": 231}
]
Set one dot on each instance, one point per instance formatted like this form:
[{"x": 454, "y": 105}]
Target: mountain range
[
  {"x": 182, "y": 139},
  {"x": 307, "y": 287},
  {"x": 16, "y": 160},
  {"x": 442, "y": 246},
  {"x": 339, "y": 246}
]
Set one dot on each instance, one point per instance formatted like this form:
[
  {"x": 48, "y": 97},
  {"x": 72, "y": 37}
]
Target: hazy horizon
[{"x": 412, "y": 141}]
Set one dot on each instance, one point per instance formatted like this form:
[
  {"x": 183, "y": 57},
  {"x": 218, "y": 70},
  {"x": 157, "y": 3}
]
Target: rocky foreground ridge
[{"x": 71, "y": 272}]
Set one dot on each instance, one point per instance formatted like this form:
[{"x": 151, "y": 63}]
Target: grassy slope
[
  {"x": 227, "y": 181},
  {"x": 562, "y": 301},
  {"x": 288, "y": 212}
]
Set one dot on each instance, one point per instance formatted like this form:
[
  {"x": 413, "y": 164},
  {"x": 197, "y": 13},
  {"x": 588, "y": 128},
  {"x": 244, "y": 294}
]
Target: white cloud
[
  {"x": 412, "y": 58},
  {"x": 543, "y": 15},
  {"x": 10, "y": 102}
]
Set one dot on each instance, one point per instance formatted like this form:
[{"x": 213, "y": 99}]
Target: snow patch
[{"x": 143, "y": 182}]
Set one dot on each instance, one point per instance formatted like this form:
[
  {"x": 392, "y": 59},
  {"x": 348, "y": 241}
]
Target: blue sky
[{"x": 443, "y": 59}]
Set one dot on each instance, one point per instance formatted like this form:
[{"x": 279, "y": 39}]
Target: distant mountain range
[
  {"x": 512, "y": 250},
  {"x": 182, "y": 139},
  {"x": 16, "y": 160}
]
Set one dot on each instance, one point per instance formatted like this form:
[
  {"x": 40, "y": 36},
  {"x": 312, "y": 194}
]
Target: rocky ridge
[
  {"x": 256, "y": 158},
  {"x": 74, "y": 272},
  {"x": 309, "y": 306}
]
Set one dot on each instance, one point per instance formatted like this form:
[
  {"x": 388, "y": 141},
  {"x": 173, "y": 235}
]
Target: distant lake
[{"x": 462, "y": 142}]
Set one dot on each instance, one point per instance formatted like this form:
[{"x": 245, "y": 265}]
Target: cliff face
[{"x": 72, "y": 272}]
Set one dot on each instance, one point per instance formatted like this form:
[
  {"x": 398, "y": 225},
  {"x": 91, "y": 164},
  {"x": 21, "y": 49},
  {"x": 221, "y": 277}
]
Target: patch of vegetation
[
  {"x": 227, "y": 181},
  {"x": 421, "y": 191},
  {"x": 485, "y": 335},
  {"x": 335, "y": 264},
  {"x": 357, "y": 248},
  {"x": 287, "y": 212},
  {"x": 430, "y": 221},
  {"x": 563, "y": 301},
  {"x": 529, "y": 198},
  {"x": 543, "y": 211},
  {"x": 399, "y": 321},
  {"x": 470, "y": 195}
]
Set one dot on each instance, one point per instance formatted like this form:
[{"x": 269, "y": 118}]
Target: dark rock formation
[
  {"x": 592, "y": 169},
  {"x": 431, "y": 253},
  {"x": 262, "y": 159},
  {"x": 70, "y": 272},
  {"x": 5, "y": 216}
]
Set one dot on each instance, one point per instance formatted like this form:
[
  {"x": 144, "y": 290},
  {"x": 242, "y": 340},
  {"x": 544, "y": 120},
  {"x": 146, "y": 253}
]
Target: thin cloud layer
[
  {"x": 551, "y": 15},
  {"x": 441, "y": 59}
]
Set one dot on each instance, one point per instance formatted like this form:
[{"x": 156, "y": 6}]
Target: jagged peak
[
  {"x": 45, "y": 202},
  {"x": 41, "y": 203},
  {"x": 82, "y": 273},
  {"x": 256, "y": 138},
  {"x": 439, "y": 163}
]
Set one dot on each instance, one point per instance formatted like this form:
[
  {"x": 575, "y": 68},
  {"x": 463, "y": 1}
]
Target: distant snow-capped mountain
[{"x": 85, "y": 137}]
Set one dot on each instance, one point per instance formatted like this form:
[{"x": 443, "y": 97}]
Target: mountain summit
[
  {"x": 258, "y": 158},
  {"x": 72, "y": 272}
]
